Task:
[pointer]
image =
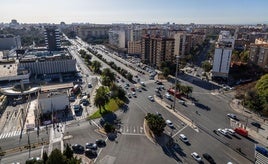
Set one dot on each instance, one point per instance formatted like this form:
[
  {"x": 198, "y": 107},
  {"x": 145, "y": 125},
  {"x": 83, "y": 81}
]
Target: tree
[
  {"x": 166, "y": 72},
  {"x": 96, "y": 65},
  {"x": 156, "y": 123},
  {"x": 45, "y": 156},
  {"x": 108, "y": 77},
  {"x": 262, "y": 88},
  {"x": 56, "y": 157},
  {"x": 68, "y": 152},
  {"x": 117, "y": 92},
  {"x": 188, "y": 90},
  {"x": 109, "y": 128},
  {"x": 101, "y": 98},
  {"x": 206, "y": 66},
  {"x": 129, "y": 76}
]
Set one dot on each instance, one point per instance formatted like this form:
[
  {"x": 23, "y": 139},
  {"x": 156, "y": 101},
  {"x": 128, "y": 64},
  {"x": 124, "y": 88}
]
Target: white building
[
  {"x": 222, "y": 55},
  {"x": 117, "y": 38}
]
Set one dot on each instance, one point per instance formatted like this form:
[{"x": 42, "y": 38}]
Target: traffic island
[{"x": 148, "y": 133}]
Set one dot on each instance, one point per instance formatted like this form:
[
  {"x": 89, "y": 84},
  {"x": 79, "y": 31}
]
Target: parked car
[
  {"x": 100, "y": 143},
  {"x": 209, "y": 158},
  {"x": 169, "y": 123},
  {"x": 134, "y": 94},
  {"x": 182, "y": 102},
  {"x": 256, "y": 124},
  {"x": 92, "y": 146},
  {"x": 91, "y": 153},
  {"x": 233, "y": 116},
  {"x": 78, "y": 148},
  {"x": 196, "y": 157},
  {"x": 183, "y": 138},
  {"x": 89, "y": 85}
]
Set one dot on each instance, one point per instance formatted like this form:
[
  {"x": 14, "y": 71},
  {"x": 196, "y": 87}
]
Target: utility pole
[{"x": 176, "y": 76}]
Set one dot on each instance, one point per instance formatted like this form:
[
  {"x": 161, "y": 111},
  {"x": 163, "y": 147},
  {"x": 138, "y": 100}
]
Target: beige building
[
  {"x": 156, "y": 49},
  {"x": 134, "y": 47},
  {"x": 183, "y": 43},
  {"x": 92, "y": 31},
  {"x": 259, "y": 53}
]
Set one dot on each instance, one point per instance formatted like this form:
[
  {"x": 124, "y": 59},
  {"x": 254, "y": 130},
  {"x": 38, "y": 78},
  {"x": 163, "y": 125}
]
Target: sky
[{"x": 135, "y": 11}]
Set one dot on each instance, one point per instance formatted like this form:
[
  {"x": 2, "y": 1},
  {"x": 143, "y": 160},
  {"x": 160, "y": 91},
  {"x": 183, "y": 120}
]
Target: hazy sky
[{"x": 139, "y": 11}]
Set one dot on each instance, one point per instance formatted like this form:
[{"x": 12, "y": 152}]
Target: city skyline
[{"x": 149, "y": 11}]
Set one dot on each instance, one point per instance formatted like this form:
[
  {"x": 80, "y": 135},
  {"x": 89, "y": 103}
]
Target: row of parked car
[{"x": 90, "y": 149}]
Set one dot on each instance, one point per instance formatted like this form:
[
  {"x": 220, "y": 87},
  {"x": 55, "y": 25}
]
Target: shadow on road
[
  {"x": 169, "y": 147},
  {"x": 202, "y": 106}
]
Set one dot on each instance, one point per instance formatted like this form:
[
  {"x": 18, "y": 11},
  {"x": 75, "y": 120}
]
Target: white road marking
[{"x": 179, "y": 131}]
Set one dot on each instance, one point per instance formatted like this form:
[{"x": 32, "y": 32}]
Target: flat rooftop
[{"x": 8, "y": 69}]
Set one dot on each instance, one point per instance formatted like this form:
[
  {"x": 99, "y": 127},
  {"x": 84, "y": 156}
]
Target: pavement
[{"x": 260, "y": 135}]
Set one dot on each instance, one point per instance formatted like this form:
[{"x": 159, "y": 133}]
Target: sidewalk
[
  {"x": 262, "y": 134},
  {"x": 93, "y": 108}
]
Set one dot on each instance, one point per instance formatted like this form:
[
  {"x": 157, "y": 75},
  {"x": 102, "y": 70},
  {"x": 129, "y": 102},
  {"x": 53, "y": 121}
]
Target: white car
[
  {"x": 182, "y": 102},
  {"x": 222, "y": 131},
  {"x": 233, "y": 116},
  {"x": 151, "y": 98},
  {"x": 134, "y": 94},
  {"x": 196, "y": 156},
  {"x": 183, "y": 138},
  {"x": 168, "y": 96},
  {"x": 230, "y": 131},
  {"x": 169, "y": 123}
]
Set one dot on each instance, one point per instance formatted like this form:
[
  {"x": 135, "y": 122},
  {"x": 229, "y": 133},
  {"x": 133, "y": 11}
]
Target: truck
[
  {"x": 172, "y": 92},
  {"x": 241, "y": 131}
]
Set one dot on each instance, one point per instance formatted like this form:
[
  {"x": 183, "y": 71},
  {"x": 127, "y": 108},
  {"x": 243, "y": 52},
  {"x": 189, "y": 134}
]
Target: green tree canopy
[
  {"x": 68, "y": 152},
  {"x": 262, "y": 88},
  {"x": 156, "y": 123},
  {"x": 101, "y": 98},
  {"x": 96, "y": 65},
  {"x": 206, "y": 66},
  {"x": 56, "y": 157}
]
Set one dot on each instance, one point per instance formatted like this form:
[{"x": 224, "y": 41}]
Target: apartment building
[
  {"x": 9, "y": 42},
  {"x": 156, "y": 49},
  {"x": 117, "y": 38},
  {"x": 183, "y": 43},
  {"x": 222, "y": 55},
  {"x": 259, "y": 53},
  {"x": 134, "y": 42},
  {"x": 52, "y": 38},
  {"x": 96, "y": 31}
]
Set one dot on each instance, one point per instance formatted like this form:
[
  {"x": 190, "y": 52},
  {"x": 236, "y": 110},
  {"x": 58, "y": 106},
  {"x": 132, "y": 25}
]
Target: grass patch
[{"x": 110, "y": 107}]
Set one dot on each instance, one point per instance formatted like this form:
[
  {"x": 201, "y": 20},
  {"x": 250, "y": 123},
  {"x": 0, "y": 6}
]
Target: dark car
[
  {"x": 78, "y": 148},
  {"x": 92, "y": 146},
  {"x": 209, "y": 158},
  {"x": 256, "y": 124},
  {"x": 100, "y": 143},
  {"x": 91, "y": 153}
]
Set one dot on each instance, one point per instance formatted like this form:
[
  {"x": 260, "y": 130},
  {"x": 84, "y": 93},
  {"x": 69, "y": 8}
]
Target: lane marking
[
  {"x": 133, "y": 134},
  {"x": 179, "y": 131}
]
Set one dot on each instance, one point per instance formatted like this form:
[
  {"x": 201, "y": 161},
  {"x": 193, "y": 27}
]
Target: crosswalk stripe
[{"x": 1, "y": 136}]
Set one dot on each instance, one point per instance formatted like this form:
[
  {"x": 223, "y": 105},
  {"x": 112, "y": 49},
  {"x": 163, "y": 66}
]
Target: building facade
[
  {"x": 222, "y": 55},
  {"x": 93, "y": 31},
  {"x": 156, "y": 49},
  {"x": 52, "y": 38},
  {"x": 259, "y": 53},
  {"x": 9, "y": 42},
  {"x": 117, "y": 38}
]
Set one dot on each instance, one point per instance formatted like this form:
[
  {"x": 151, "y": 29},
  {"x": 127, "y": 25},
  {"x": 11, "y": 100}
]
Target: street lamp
[{"x": 176, "y": 76}]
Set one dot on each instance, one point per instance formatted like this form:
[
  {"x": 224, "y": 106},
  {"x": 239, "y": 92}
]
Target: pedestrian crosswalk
[
  {"x": 11, "y": 134},
  {"x": 131, "y": 129}
]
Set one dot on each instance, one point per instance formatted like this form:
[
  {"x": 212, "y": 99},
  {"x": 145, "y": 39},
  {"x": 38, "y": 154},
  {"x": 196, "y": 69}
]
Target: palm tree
[
  {"x": 96, "y": 65},
  {"x": 108, "y": 77},
  {"x": 101, "y": 98},
  {"x": 188, "y": 90}
]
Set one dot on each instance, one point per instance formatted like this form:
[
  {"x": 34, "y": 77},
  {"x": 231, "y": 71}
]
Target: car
[
  {"x": 92, "y": 146},
  {"x": 156, "y": 90},
  {"x": 132, "y": 89},
  {"x": 169, "y": 123},
  {"x": 230, "y": 131},
  {"x": 134, "y": 94},
  {"x": 209, "y": 158},
  {"x": 89, "y": 85},
  {"x": 142, "y": 83},
  {"x": 168, "y": 96},
  {"x": 159, "y": 114},
  {"x": 196, "y": 157},
  {"x": 100, "y": 143},
  {"x": 91, "y": 153},
  {"x": 129, "y": 95},
  {"x": 138, "y": 89},
  {"x": 162, "y": 87},
  {"x": 256, "y": 124},
  {"x": 182, "y": 102},
  {"x": 77, "y": 108},
  {"x": 233, "y": 116},
  {"x": 223, "y": 131},
  {"x": 151, "y": 98},
  {"x": 183, "y": 138},
  {"x": 78, "y": 148}
]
